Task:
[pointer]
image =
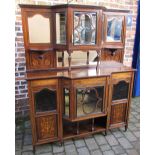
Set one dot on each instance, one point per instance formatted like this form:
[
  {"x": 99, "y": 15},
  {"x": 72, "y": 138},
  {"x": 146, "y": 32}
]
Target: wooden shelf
[{"x": 84, "y": 128}]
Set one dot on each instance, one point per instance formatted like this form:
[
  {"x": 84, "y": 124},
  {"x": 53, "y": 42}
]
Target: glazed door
[
  {"x": 45, "y": 110},
  {"x": 120, "y": 94}
]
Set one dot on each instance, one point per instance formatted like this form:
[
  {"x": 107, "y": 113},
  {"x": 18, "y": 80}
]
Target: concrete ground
[{"x": 117, "y": 142}]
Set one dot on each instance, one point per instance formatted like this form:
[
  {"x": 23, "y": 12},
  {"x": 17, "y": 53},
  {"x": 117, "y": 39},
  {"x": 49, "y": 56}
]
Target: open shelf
[{"x": 83, "y": 128}]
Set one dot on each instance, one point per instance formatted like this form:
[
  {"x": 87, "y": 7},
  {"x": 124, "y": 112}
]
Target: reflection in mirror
[
  {"x": 61, "y": 28},
  {"x": 66, "y": 99},
  {"x": 45, "y": 100},
  {"x": 39, "y": 29},
  {"x": 89, "y": 100},
  {"x": 114, "y": 28},
  {"x": 84, "y": 28},
  {"x": 78, "y": 58}
]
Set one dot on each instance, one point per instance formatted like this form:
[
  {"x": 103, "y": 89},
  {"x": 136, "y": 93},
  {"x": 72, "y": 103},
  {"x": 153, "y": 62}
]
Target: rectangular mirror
[
  {"x": 114, "y": 28},
  {"x": 39, "y": 29},
  {"x": 61, "y": 28},
  {"x": 79, "y": 58},
  {"x": 84, "y": 28}
]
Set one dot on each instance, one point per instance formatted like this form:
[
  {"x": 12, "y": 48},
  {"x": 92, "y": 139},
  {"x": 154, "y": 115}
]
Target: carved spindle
[
  {"x": 87, "y": 57},
  {"x": 92, "y": 127},
  {"x": 98, "y": 59},
  {"x": 62, "y": 58},
  {"x": 69, "y": 60}
]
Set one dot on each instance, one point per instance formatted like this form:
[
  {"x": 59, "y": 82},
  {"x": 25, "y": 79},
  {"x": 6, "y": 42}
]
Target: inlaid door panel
[{"x": 46, "y": 127}]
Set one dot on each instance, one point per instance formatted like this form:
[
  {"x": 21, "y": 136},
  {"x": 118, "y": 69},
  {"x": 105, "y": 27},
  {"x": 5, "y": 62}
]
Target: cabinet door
[
  {"x": 120, "y": 98},
  {"x": 89, "y": 97},
  {"x": 44, "y": 108},
  {"x": 85, "y": 28}
]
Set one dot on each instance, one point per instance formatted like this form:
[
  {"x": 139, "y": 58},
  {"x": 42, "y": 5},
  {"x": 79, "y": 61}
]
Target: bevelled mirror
[
  {"x": 84, "y": 28},
  {"x": 45, "y": 100},
  {"x": 114, "y": 28},
  {"x": 61, "y": 28},
  {"x": 39, "y": 29}
]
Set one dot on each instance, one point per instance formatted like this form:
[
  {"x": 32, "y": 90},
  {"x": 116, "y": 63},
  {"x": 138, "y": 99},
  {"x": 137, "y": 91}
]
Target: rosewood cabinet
[{"x": 80, "y": 97}]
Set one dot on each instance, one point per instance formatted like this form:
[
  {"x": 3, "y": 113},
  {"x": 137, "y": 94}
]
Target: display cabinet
[{"x": 75, "y": 88}]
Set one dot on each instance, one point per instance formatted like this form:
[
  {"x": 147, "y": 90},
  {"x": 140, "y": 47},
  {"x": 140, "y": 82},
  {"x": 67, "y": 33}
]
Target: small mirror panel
[
  {"x": 114, "y": 28},
  {"x": 39, "y": 29},
  {"x": 61, "y": 28}
]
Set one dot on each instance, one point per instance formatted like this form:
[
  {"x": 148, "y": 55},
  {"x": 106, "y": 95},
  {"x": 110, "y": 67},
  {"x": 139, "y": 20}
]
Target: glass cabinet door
[
  {"x": 84, "y": 28},
  {"x": 89, "y": 100},
  {"x": 114, "y": 28},
  {"x": 45, "y": 100},
  {"x": 61, "y": 28},
  {"x": 120, "y": 90}
]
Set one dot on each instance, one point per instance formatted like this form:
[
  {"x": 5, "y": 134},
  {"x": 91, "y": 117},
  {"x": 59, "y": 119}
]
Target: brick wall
[{"x": 21, "y": 103}]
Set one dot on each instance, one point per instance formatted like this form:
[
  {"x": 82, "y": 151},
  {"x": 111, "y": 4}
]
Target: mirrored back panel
[{"x": 79, "y": 58}]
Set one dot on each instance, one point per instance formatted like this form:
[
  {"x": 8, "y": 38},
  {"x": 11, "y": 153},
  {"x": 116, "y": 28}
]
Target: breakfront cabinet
[{"x": 76, "y": 83}]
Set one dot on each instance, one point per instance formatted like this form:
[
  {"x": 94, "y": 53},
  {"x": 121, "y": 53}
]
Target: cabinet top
[
  {"x": 105, "y": 69},
  {"x": 71, "y": 6}
]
